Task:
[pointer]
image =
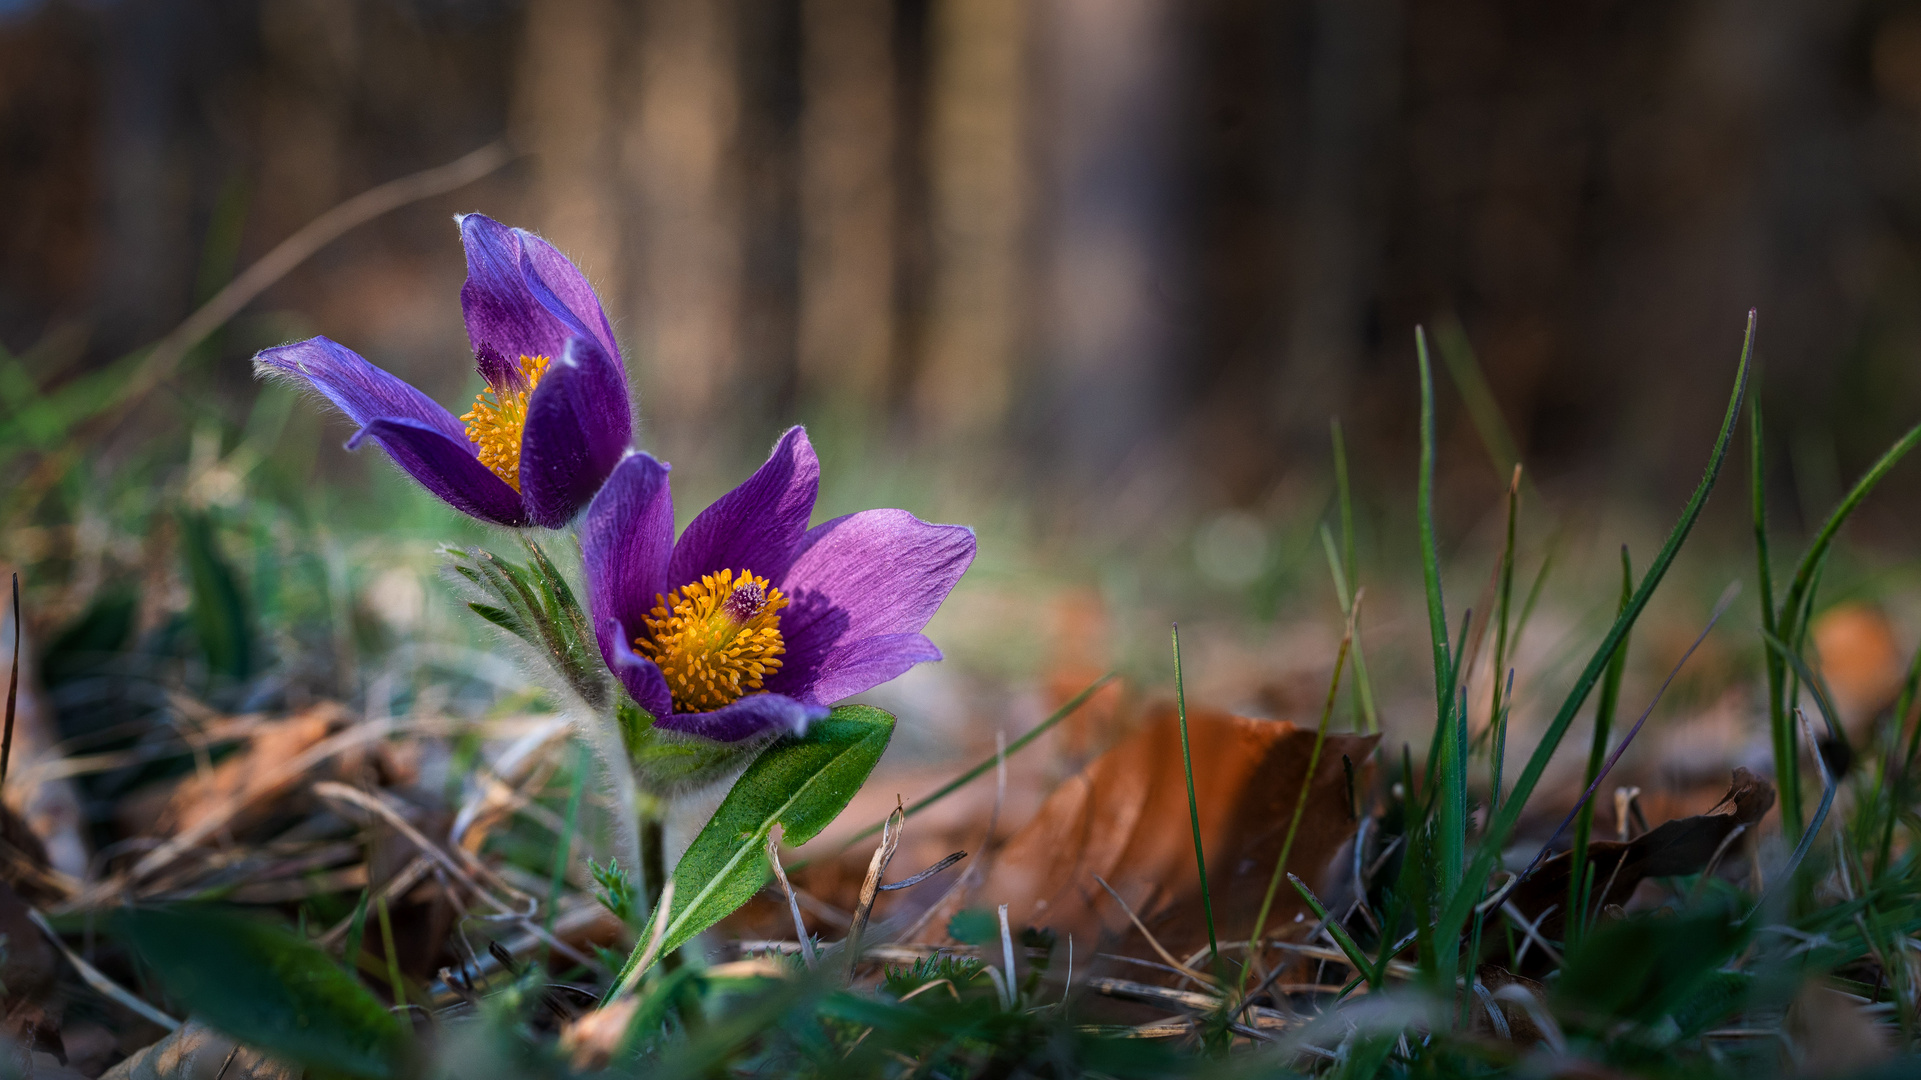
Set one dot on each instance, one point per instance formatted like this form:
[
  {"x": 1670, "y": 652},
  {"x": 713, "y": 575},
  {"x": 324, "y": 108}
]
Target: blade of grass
[
  {"x": 1193, "y": 807},
  {"x": 1780, "y": 734},
  {"x": 1366, "y": 720},
  {"x": 1300, "y": 802},
  {"x": 393, "y": 958},
  {"x": 357, "y": 931},
  {"x": 1587, "y": 795},
  {"x": 1504, "y": 595},
  {"x": 563, "y": 853},
  {"x": 1791, "y": 624},
  {"x": 1346, "y": 497},
  {"x": 1477, "y": 395},
  {"x": 1339, "y": 933},
  {"x": 1501, "y": 826},
  {"x": 1430, "y": 555},
  {"x": 970, "y": 775},
  {"x": 1597, "y": 752}
]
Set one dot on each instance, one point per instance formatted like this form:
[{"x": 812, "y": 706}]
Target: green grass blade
[
  {"x": 1300, "y": 803},
  {"x": 1346, "y": 498},
  {"x": 961, "y": 781},
  {"x": 1597, "y": 752},
  {"x": 1477, "y": 395},
  {"x": 1801, "y": 588},
  {"x": 1193, "y": 806},
  {"x": 1430, "y": 555},
  {"x": 1348, "y": 946},
  {"x": 1780, "y": 734},
  {"x": 1501, "y": 826}
]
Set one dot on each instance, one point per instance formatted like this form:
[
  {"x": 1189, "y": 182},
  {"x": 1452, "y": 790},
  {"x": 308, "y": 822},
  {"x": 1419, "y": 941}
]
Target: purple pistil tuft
[{"x": 746, "y": 601}]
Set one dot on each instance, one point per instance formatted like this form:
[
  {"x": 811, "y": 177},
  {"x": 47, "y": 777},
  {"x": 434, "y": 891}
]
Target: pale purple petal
[
  {"x": 757, "y": 525},
  {"x": 755, "y": 714},
  {"x": 570, "y": 287},
  {"x": 446, "y": 467},
  {"x": 625, "y": 538},
  {"x": 851, "y": 668},
  {"x": 578, "y": 423},
  {"x": 641, "y": 676},
  {"x": 359, "y": 389},
  {"x": 869, "y": 574}
]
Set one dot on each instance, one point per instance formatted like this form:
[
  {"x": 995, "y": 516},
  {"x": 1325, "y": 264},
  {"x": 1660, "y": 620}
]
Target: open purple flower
[
  {"x": 555, "y": 417},
  {"x": 753, "y": 622}
]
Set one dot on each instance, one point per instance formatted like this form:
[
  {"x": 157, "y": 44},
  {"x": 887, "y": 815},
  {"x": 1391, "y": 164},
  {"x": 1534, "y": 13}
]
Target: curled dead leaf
[
  {"x": 1681, "y": 846},
  {"x": 1124, "y": 819}
]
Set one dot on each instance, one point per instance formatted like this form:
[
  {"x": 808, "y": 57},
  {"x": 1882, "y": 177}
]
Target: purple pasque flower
[
  {"x": 753, "y": 622},
  {"x": 555, "y": 416}
]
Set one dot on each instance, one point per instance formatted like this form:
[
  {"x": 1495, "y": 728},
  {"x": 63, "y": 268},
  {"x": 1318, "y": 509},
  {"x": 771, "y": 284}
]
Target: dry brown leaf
[
  {"x": 1681, "y": 846},
  {"x": 196, "y": 1052},
  {"x": 1125, "y": 819},
  {"x": 243, "y": 778}
]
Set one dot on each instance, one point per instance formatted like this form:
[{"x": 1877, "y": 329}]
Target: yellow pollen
[
  {"x": 498, "y": 418},
  {"x": 715, "y": 639}
]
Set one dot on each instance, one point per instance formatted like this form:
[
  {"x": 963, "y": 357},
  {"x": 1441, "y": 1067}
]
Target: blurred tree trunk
[
  {"x": 1114, "y": 98},
  {"x": 678, "y": 163},
  {"x": 978, "y": 97},
  {"x": 847, "y": 202},
  {"x": 564, "y": 118}
]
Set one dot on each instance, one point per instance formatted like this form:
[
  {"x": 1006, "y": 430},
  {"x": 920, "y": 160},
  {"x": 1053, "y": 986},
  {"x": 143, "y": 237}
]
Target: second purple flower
[{"x": 752, "y": 622}]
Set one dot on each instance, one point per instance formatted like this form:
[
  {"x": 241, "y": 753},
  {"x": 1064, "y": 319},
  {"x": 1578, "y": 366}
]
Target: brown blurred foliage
[{"x": 1138, "y": 238}]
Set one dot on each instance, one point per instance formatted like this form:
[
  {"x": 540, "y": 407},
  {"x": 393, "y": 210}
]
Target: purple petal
[
  {"x": 448, "y": 468},
  {"x": 625, "y": 538},
  {"x": 871, "y": 574},
  {"x": 514, "y": 308},
  {"x": 578, "y": 423},
  {"x": 854, "y": 667},
  {"x": 641, "y": 676},
  {"x": 359, "y": 389},
  {"x": 755, "y": 714},
  {"x": 569, "y": 286},
  {"x": 757, "y": 525}
]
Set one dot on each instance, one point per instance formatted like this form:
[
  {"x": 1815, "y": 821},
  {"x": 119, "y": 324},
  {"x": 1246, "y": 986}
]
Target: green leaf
[
  {"x": 974, "y": 926},
  {"x": 800, "y": 784},
  {"x": 1644, "y": 966},
  {"x": 221, "y": 618},
  {"x": 265, "y": 987}
]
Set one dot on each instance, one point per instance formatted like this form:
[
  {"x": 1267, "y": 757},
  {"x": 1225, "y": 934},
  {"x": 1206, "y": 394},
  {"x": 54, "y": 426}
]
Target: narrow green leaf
[
  {"x": 265, "y": 987},
  {"x": 1597, "y": 753},
  {"x": 506, "y": 620},
  {"x": 1458, "y": 354},
  {"x": 1430, "y": 555},
  {"x": 799, "y": 784},
  {"x": 222, "y": 620}
]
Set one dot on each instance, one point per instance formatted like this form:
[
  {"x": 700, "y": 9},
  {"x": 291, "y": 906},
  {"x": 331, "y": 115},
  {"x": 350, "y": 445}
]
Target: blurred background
[{"x": 1092, "y": 275}]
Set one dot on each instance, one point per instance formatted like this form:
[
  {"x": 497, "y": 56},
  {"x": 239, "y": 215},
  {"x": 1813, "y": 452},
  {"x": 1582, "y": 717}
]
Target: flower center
[
  {"x": 498, "y": 419},
  {"x": 715, "y": 639}
]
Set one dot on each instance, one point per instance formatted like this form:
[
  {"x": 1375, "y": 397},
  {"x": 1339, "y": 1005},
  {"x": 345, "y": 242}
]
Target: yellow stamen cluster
[
  {"x": 715, "y": 639},
  {"x": 496, "y": 425}
]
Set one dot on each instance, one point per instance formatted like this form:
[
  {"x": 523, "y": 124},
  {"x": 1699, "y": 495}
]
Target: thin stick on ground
[
  {"x": 793, "y": 905},
  {"x": 1154, "y": 942},
  {"x": 13, "y": 687},
  {"x": 890, "y": 835}
]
